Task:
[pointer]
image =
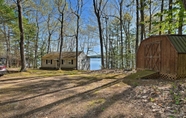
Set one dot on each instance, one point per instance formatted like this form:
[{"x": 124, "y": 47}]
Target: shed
[
  {"x": 165, "y": 54},
  {"x": 68, "y": 61}
]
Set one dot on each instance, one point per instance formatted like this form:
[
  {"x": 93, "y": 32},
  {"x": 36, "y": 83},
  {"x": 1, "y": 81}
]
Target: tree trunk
[
  {"x": 23, "y": 62},
  {"x": 28, "y": 52},
  {"x": 49, "y": 39},
  {"x": 97, "y": 12},
  {"x": 121, "y": 31},
  {"x": 7, "y": 39},
  {"x": 9, "y": 64},
  {"x": 142, "y": 19},
  {"x": 161, "y": 16},
  {"x": 77, "y": 36},
  {"x": 117, "y": 58},
  {"x": 101, "y": 42},
  {"x": 49, "y": 34},
  {"x": 36, "y": 43},
  {"x": 184, "y": 3},
  {"x": 150, "y": 13},
  {"x": 170, "y": 15},
  {"x": 61, "y": 19},
  {"x": 106, "y": 46},
  {"x": 181, "y": 15},
  {"x": 137, "y": 27},
  {"x": 78, "y": 13},
  {"x": 128, "y": 46},
  {"x": 61, "y": 42}
]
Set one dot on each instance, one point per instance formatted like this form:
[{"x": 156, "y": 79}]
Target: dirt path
[{"x": 71, "y": 96}]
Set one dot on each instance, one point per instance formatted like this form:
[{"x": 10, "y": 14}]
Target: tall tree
[
  {"x": 181, "y": 16},
  {"x": 184, "y": 3},
  {"x": 115, "y": 45},
  {"x": 142, "y": 23},
  {"x": 49, "y": 33},
  {"x": 36, "y": 41},
  {"x": 21, "y": 29},
  {"x": 106, "y": 44},
  {"x": 121, "y": 29},
  {"x": 77, "y": 12},
  {"x": 6, "y": 32},
  {"x": 170, "y": 16},
  {"x": 137, "y": 25},
  {"x": 126, "y": 28},
  {"x": 150, "y": 15},
  {"x": 61, "y": 5},
  {"x": 99, "y": 6},
  {"x": 161, "y": 17}
]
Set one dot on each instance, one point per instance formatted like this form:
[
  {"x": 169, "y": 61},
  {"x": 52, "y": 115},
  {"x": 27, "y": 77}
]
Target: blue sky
[{"x": 87, "y": 13}]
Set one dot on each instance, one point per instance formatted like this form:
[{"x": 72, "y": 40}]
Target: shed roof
[
  {"x": 55, "y": 55},
  {"x": 179, "y": 42}
]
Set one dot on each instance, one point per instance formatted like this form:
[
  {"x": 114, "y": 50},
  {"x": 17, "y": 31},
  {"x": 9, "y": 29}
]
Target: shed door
[{"x": 152, "y": 56}]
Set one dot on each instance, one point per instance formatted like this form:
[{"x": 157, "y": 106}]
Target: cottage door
[{"x": 152, "y": 56}]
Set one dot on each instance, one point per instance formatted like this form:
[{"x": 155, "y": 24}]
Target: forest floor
[{"x": 94, "y": 94}]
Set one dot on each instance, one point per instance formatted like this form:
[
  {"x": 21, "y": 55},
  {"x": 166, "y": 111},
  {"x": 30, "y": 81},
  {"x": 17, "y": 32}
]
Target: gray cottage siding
[{"x": 83, "y": 62}]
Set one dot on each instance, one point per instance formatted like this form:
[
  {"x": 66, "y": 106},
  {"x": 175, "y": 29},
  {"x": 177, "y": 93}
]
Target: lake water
[{"x": 95, "y": 63}]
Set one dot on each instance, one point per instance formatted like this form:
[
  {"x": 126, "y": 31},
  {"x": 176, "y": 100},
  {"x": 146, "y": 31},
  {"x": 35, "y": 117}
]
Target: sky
[{"x": 86, "y": 15}]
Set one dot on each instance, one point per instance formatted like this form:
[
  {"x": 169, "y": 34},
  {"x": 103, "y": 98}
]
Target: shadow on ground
[
  {"x": 41, "y": 88},
  {"x": 37, "y": 88}
]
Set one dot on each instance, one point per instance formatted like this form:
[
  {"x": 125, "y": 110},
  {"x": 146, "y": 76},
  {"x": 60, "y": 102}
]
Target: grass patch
[
  {"x": 96, "y": 102},
  {"x": 140, "y": 74},
  {"x": 72, "y": 72},
  {"x": 109, "y": 76},
  {"x": 42, "y": 73},
  {"x": 134, "y": 79}
]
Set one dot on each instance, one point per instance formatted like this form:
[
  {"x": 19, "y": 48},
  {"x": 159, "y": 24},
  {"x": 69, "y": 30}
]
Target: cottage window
[
  {"x": 48, "y": 61},
  {"x": 62, "y": 61},
  {"x": 70, "y": 62}
]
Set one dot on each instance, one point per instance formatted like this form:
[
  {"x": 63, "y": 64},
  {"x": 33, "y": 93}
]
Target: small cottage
[
  {"x": 51, "y": 61},
  {"x": 165, "y": 54}
]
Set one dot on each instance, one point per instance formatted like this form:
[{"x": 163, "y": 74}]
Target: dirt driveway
[{"x": 69, "y": 97}]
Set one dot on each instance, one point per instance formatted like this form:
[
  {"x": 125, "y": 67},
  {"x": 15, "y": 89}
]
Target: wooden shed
[{"x": 165, "y": 54}]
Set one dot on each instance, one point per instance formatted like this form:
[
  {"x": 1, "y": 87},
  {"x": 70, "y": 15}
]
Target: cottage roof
[
  {"x": 55, "y": 55},
  {"x": 179, "y": 42}
]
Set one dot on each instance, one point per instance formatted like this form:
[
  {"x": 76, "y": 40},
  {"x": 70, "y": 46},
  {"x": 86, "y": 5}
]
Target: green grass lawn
[
  {"x": 140, "y": 74},
  {"x": 49, "y": 73},
  {"x": 38, "y": 73}
]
